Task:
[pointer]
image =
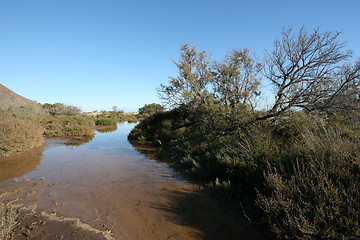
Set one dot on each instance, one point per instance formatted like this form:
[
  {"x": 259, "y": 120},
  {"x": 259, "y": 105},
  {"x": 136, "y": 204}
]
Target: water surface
[{"x": 111, "y": 185}]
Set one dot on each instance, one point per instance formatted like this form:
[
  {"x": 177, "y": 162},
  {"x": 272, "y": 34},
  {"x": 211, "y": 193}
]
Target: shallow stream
[{"x": 118, "y": 187}]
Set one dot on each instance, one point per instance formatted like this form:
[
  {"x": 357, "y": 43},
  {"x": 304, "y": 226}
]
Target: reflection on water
[
  {"x": 148, "y": 150},
  {"x": 18, "y": 164},
  {"x": 107, "y": 129},
  {"x": 78, "y": 141},
  {"x": 112, "y": 185}
]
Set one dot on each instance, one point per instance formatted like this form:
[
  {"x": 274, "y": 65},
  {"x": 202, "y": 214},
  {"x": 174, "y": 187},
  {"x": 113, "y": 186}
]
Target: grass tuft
[{"x": 8, "y": 221}]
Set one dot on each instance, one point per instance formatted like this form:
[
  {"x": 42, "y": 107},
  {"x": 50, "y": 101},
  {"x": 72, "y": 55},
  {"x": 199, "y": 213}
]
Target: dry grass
[{"x": 8, "y": 220}]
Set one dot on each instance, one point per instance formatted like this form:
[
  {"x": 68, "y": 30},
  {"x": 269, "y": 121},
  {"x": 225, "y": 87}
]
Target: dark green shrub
[
  {"x": 165, "y": 126},
  {"x": 149, "y": 109}
]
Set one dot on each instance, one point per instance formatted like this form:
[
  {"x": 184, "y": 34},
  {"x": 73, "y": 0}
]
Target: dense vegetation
[
  {"x": 149, "y": 109},
  {"x": 105, "y": 121},
  {"x": 299, "y": 160},
  {"x": 18, "y": 134},
  {"x": 65, "y": 125},
  {"x": 57, "y": 109}
]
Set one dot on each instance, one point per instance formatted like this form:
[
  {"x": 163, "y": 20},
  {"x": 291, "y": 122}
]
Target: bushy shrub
[
  {"x": 61, "y": 109},
  {"x": 149, "y": 109},
  {"x": 18, "y": 134},
  {"x": 165, "y": 126},
  {"x": 119, "y": 116},
  {"x": 106, "y": 122},
  {"x": 130, "y": 118},
  {"x": 67, "y": 126},
  {"x": 26, "y": 111},
  {"x": 321, "y": 198}
]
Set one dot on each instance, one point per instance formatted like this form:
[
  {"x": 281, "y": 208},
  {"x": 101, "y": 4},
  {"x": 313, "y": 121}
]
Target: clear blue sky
[{"x": 95, "y": 54}]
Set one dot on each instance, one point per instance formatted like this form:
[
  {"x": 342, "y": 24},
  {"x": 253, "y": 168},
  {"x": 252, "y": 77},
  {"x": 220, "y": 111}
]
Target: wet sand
[{"x": 106, "y": 189}]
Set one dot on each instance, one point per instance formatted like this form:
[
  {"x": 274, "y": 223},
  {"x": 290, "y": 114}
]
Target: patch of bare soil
[{"x": 34, "y": 225}]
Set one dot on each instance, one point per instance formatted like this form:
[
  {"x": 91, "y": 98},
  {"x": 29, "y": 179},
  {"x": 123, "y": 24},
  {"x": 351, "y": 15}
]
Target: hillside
[
  {"x": 14, "y": 104},
  {"x": 9, "y": 98}
]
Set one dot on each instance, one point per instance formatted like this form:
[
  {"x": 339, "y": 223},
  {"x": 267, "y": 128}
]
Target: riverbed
[{"x": 114, "y": 189}]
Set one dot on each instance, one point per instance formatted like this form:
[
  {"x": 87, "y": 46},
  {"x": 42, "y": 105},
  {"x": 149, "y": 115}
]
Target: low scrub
[
  {"x": 26, "y": 111},
  {"x": 321, "y": 198},
  {"x": 67, "y": 126},
  {"x": 106, "y": 122},
  {"x": 18, "y": 134},
  {"x": 57, "y": 109}
]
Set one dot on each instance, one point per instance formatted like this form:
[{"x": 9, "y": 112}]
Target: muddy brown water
[{"x": 120, "y": 189}]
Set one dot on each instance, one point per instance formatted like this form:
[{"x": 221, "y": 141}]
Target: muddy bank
[
  {"x": 36, "y": 224},
  {"x": 33, "y": 225},
  {"x": 184, "y": 215}
]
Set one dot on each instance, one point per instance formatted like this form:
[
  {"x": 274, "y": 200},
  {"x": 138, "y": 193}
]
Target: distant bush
[
  {"x": 18, "y": 135},
  {"x": 119, "y": 116},
  {"x": 68, "y": 126},
  {"x": 128, "y": 117},
  {"x": 106, "y": 122},
  {"x": 61, "y": 109}
]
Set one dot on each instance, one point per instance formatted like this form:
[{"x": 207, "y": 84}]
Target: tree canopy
[{"x": 308, "y": 70}]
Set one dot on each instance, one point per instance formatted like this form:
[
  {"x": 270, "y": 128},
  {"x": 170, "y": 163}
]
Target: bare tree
[
  {"x": 236, "y": 79},
  {"x": 307, "y": 70},
  {"x": 190, "y": 87},
  {"x": 347, "y": 95}
]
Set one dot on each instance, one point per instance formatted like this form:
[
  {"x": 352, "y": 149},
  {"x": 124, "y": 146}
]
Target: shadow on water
[
  {"x": 18, "y": 164},
  {"x": 147, "y": 149},
  {"x": 199, "y": 209}
]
